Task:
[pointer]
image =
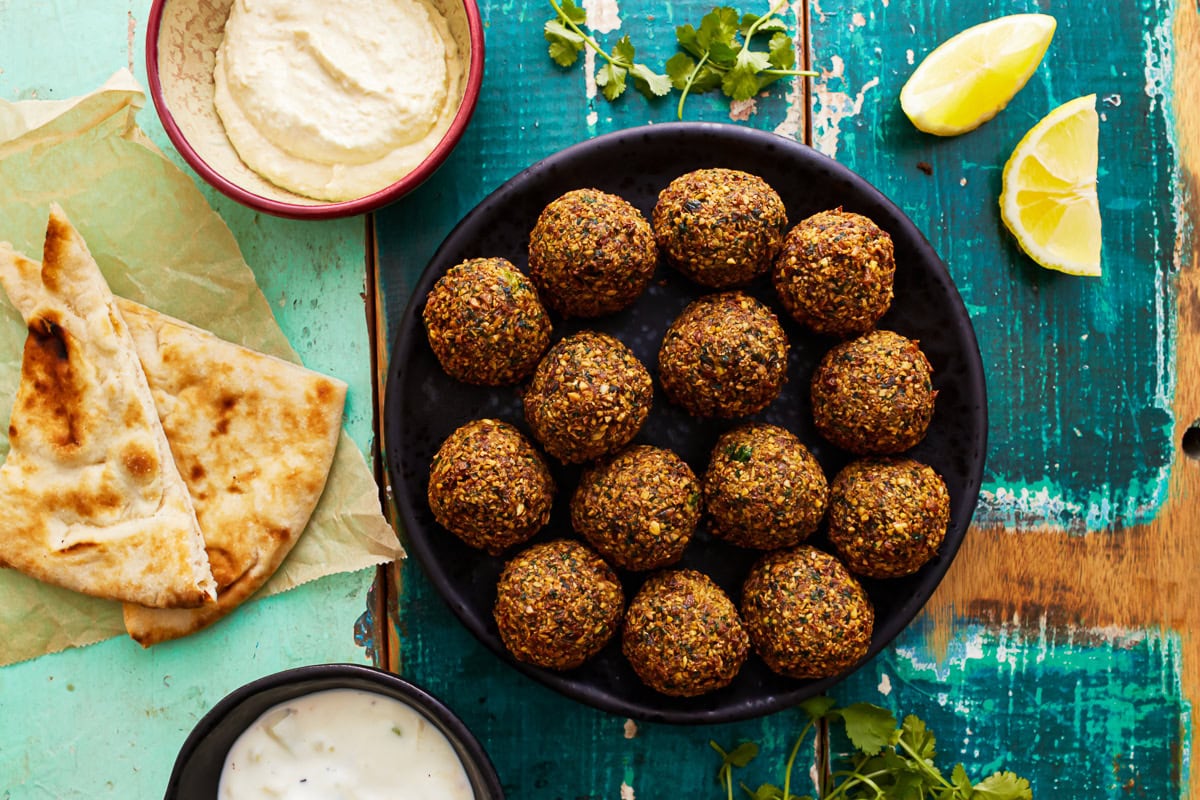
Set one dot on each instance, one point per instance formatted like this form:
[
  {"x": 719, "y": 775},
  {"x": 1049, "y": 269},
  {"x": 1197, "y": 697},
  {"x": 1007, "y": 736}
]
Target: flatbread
[
  {"x": 254, "y": 438},
  {"x": 90, "y": 497}
]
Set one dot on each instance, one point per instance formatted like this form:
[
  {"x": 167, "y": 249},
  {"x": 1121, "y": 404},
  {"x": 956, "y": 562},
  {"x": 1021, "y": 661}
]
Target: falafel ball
[
  {"x": 485, "y": 322},
  {"x": 557, "y": 604},
  {"x": 719, "y": 227},
  {"x": 591, "y": 253},
  {"x": 724, "y": 356},
  {"x": 682, "y": 634},
  {"x": 639, "y": 509},
  {"x": 763, "y": 488},
  {"x": 887, "y": 516},
  {"x": 873, "y": 395},
  {"x": 489, "y": 486},
  {"x": 835, "y": 272},
  {"x": 589, "y": 396},
  {"x": 806, "y": 614}
]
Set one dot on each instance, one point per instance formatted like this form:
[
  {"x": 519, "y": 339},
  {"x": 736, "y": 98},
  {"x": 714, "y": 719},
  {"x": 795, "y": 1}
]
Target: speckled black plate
[{"x": 423, "y": 406}]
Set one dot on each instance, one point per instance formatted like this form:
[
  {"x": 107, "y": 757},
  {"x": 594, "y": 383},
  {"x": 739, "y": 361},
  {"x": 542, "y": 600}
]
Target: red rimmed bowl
[{"x": 182, "y": 38}]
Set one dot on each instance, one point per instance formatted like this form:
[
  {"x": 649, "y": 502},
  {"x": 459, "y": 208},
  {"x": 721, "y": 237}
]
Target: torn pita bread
[
  {"x": 90, "y": 495},
  {"x": 254, "y": 438}
]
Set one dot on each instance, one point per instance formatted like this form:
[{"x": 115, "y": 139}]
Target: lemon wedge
[
  {"x": 970, "y": 77},
  {"x": 1049, "y": 197}
]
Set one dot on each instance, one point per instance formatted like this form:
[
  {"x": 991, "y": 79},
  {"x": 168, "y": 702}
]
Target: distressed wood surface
[
  {"x": 107, "y": 720},
  {"x": 1062, "y": 643}
]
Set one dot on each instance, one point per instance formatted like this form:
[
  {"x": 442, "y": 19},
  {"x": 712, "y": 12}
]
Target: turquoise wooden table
[
  {"x": 1062, "y": 644},
  {"x": 106, "y": 720}
]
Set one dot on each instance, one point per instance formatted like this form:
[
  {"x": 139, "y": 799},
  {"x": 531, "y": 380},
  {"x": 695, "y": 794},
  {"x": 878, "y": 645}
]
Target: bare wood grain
[
  {"x": 385, "y": 611},
  {"x": 1143, "y": 577}
]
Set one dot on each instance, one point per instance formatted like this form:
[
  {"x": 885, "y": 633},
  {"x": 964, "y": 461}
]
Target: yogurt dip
[
  {"x": 337, "y": 99},
  {"x": 343, "y": 744}
]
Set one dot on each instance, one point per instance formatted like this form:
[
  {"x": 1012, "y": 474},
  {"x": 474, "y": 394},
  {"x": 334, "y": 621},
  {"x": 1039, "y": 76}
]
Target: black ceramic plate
[{"x": 423, "y": 406}]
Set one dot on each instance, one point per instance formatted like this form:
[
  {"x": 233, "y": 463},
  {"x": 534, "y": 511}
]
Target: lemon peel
[
  {"x": 971, "y": 77},
  {"x": 1049, "y": 200}
]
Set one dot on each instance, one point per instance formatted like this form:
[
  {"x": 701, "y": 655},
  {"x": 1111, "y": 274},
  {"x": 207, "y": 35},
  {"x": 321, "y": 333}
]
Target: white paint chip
[
  {"x": 910, "y": 56},
  {"x": 962, "y": 181},
  {"x": 604, "y": 16},
  {"x": 742, "y": 110},
  {"x": 631, "y": 729},
  {"x": 885, "y": 684},
  {"x": 626, "y": 791}
]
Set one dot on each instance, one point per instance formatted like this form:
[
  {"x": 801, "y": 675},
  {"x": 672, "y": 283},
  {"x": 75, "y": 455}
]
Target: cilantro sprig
[
  {"x": 718, "y": 54},
  {"x": 567, "y": 40},
  {"x": 891, "y": 761}
]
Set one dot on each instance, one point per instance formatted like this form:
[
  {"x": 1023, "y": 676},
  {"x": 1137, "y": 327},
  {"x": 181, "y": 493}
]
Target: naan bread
[
  {"x": 254, "y": 438},
  {"x": 90, "y": 497}
]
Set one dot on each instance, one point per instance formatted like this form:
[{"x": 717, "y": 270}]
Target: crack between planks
[{"x": 382, "y": 600}]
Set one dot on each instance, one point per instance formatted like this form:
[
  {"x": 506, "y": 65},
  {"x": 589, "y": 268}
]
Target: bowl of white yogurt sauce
[
  {"x": 332, "y": 730},
  {"x": 314, "y": 110}
]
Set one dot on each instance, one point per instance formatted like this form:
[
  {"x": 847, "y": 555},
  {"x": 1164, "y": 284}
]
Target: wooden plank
[
  {"x": 107, "y": 720},
  {"x": 1081, "y": 569},
  {"x": 543, "y": 745}
]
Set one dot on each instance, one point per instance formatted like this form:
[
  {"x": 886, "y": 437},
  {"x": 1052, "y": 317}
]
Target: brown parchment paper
[{"x": 158, "y": 242}]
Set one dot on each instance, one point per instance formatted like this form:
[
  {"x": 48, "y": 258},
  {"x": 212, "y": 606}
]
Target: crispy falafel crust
[
  {"x": 835, "y": 272},
  {"x": 806, "y": 614},
  {"x": 763, "y": 488},
  {"x": 682, "y": 635},
  {"x": 591, "y": 253},
  {"x": 485, "y": 323},
  {"x": 557, "y": 604},
  {"x": 724, "y": 356},
  {"x": 719, "y": 227},
  {"x": 888, "y": 516},
  {"x": 873, "y": 395},
  {"x": 639, "y": 509},
  {"x": 589, "y": 397},
  {"x": 489, "y": 486}
]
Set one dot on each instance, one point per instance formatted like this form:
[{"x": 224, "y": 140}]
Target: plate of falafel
[{"x": 686, "y": 422}]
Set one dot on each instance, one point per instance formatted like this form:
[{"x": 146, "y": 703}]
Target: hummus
[{"x": 338, "y": 99}]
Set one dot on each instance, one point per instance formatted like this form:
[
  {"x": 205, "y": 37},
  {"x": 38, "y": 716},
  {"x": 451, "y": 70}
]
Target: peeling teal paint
[
  {"x": 1063, "y": 710},
  {"x": 1084, "y": 425}
]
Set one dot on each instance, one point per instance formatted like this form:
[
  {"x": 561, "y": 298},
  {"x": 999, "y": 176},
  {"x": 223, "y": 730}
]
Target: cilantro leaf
[
  {"x": 781, "y": 51},
  {"x": 611, "y": 80},
  {"x": 649, "y": 82},
  {"x": 741, "y": 82},
  {"x": 717, "y": 27},
  {"x": 565, "y": 44},
  {"x": 679, "y": 68},
  {"x": 768, "y": 25},
  {"x": 623, "y": 50},
  {"x": 869, "y": 727},
  {"x": 958, "y": 777},
  {"x": 1002, "y": 786},
  {"x": 817, "y": 707},
  {"x": 571, "y": 12},
  {"x": 918, "y": 737},
  {"x": 743, "y": 754},
  {"x": 688, "y": 39}
]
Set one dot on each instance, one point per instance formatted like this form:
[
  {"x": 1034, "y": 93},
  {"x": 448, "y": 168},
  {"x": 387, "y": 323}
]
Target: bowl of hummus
[
  {"x": 314, "y": 110},
  {"x": 332, "y": 730}
]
